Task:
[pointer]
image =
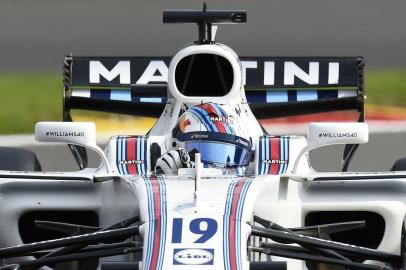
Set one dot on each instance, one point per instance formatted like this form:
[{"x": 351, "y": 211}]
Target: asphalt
[
  {"x": 36, "y": 35},
  {"x": 379, "y": 154}
]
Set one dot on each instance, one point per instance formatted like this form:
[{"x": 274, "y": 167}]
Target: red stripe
[
  {"x": 275, "y": 154},
  {"x": 234, "y": 204},
  {"x": 220, "y": 125},
  {"x": 157, "y": 228},
  {"x": 131, "y": 152}
]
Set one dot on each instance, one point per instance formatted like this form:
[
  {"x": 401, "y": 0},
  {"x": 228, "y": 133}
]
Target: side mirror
[
  {"x": 78, "y": 133},
  {"x": 322, "y": 134}
]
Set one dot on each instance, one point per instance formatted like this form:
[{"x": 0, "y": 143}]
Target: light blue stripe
[
  {"x": 142, "y": 144},
  {"x": 267, "y": 155},
  {"x": 227, "y": 128},
  {"x": 138, "y": 157},
  {"x": 151, "y": 100},
  {"x": 118, "y": 155},
  {"x": 124, "y": 95},
  {"x": 286, "y": 153},
  {"x": 276, "y": 96},
  {"x": 217, "y": 109},
  {"x": 306, "y": 95},
  {"x": 281, "y": 153}
]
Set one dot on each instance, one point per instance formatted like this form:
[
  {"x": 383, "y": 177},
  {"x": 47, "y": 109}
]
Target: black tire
[
  {"x": 16, "y": 159},
  {"x": 400, "y": 165}
]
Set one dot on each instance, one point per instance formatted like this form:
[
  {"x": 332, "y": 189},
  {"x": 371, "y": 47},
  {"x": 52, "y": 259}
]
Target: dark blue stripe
[
  {"x": 260, "y": 163},
  {"x": 292, "y": 95},
  {"x": 100, "y": 94},
  {"x": 324, "y": 94},
  {"x": 256, "y": 97}
]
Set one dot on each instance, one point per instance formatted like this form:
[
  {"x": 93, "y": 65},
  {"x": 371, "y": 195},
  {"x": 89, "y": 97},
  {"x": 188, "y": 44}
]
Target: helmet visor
[{"x": 220, "y": 153}]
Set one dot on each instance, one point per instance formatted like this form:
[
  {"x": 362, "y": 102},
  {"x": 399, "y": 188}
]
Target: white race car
[{"x": 263, "y": 208}]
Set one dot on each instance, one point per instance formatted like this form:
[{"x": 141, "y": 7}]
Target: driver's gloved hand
[{"x": 171, "y": 161}]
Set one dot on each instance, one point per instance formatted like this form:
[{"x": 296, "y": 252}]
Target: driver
[{"x": 213, "y": 131}]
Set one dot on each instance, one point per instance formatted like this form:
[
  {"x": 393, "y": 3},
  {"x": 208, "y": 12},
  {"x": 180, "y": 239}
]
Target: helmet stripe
[{"x": 202, "y": 119}]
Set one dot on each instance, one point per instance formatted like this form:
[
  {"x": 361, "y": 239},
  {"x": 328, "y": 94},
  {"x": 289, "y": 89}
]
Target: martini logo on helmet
[
  {"x": 222, "y": 119},
  {"x": 193, "y": 256}
]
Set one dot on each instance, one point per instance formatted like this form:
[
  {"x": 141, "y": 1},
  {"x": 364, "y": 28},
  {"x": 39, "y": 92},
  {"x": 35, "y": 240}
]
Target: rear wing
[{"x": 275, "y": 86}]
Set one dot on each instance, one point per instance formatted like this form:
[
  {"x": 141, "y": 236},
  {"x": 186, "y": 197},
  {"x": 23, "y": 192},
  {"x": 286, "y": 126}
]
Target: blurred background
[{"x": 36, "y": 35}]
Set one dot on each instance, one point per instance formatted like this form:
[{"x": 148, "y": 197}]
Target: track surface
[
  {"x": 377, "y": 155},
  {"x": 35, "y": 35}
]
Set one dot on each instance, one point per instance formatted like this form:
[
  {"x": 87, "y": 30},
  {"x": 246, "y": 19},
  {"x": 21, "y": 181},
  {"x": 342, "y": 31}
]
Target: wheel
[
  {"x": 16, "y": 159},
  {"x": 400, "y": 165}
]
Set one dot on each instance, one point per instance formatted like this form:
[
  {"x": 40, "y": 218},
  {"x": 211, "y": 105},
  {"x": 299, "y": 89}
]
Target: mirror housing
[
  {"x": 77, "y": 133},
  {"x": 324, "y": 133}
]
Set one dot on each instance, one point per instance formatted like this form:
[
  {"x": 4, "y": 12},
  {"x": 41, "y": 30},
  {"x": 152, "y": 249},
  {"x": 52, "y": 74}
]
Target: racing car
[{"x": 277, "y": 213}]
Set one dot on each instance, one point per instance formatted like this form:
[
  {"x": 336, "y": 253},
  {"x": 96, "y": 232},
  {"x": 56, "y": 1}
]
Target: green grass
[
  {"x": 28, "y": 98},
  {"x": 386, "y": 87}
]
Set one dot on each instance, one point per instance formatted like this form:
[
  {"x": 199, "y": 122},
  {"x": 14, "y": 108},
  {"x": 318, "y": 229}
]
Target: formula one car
[{"x": 276, "y": 214}]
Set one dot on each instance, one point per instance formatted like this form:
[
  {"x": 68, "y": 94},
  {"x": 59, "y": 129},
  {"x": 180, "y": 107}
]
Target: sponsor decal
[
  {"x": 272, "y": 73},
  {"x": 222, "y": 119},
  {"x": 64, "y": 134},
  {"x": 199, "y": 136},
  {"x": 184, "y": 156},
  {"x": 131, "y": 161},
  {"x": 193, "y": 256},
  {"x": 183, "y": 123},
  {"x": 245, "y": 143},
  {"x": 274, "y": 161},
  {"x": 338, "y": 135}
]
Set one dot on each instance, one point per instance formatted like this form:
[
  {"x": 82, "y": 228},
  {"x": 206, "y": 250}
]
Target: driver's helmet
[{"x": 214, "y": 131}]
